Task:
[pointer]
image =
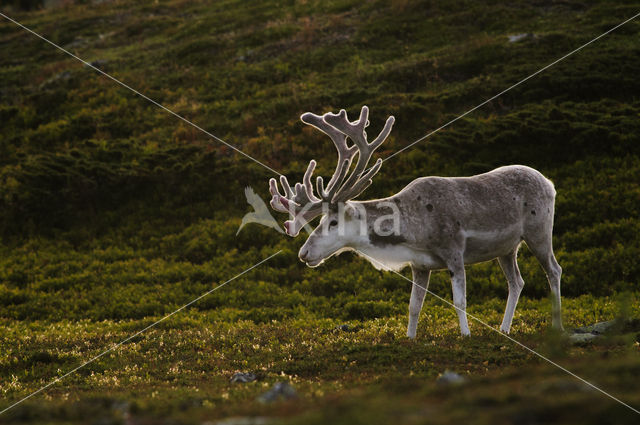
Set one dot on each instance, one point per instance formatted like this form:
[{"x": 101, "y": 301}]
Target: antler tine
[
  {"x": 275, "y": 203},
  {"x": 384, "y": 133},
  {"x": 307, "y": 182},
  {"x": 286, "y": 186},
  {"x": 339, "y": 176}
]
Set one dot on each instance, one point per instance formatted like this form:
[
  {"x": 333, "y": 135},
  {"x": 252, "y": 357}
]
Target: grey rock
[
  {"x": 280, "y": 391},
  {"x": 596, "y": 329},
  {"x": 243, "y": 377},
  {"x": 514, "y": 38},
  {"x": 450, "y": 378},
  {"x": 586, "y": 334},
  {"x": 582, "y": 338}
]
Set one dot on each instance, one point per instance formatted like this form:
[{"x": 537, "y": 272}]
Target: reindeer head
[{"x": 342, "y": 221}]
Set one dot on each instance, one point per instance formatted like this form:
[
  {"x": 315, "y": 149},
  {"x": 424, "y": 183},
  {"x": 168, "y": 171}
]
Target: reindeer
[{"x": 438, "y": 222}]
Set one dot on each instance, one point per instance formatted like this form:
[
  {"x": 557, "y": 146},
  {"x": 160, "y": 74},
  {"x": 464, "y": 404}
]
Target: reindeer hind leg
[
  {"x": 509, "y": 266},
  {"x": 541, "y": 246}
]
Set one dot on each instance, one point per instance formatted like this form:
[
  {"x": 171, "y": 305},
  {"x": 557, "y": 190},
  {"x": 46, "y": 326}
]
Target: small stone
[
  {"x": 450, "y": 378},
  {"x": 518, "y": 37},
  {"x": 579, "y": 338},
  {"x": 347, "y": 328},
  {"x": 586, "y": 334},
  {"x": 243, "y": 377},
  {"x": 597, "y": 329},
  {"x": 280, "y": 391}
]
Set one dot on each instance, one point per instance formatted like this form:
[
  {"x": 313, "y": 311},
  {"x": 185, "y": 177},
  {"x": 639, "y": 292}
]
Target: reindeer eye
[{"x": 333, "y": 223}]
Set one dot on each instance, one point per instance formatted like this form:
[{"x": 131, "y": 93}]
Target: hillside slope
[{"x": 95, "y": 178}]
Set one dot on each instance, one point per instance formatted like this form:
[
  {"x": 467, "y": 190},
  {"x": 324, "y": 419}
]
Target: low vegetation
[{"x": 114, "y": 213}]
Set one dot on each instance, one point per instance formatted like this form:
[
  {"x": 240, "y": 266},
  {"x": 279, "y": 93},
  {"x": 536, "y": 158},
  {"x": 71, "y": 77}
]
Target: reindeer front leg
[
  {"x": 459, "y": 289},
  {"x": 418, "y": 291}
]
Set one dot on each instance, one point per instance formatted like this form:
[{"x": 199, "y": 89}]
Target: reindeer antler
[
  {"x": 301, "y": 203},
  {"x": 357, "y": 183}
]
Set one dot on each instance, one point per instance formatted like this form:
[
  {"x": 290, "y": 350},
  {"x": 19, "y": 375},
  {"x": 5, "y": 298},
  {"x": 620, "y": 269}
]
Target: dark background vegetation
[
  {"x": 112, "y": 209},
  {"x": 103, "y": 193}
]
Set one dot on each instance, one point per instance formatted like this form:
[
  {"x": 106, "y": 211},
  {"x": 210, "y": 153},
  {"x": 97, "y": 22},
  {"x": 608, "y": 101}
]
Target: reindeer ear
[{"x": 352, "y": 212}]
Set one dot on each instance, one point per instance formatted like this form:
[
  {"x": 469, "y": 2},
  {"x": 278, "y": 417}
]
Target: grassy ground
[
  {"x": 113, "y": 213},
  {"x": 180, "y": 370}
]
